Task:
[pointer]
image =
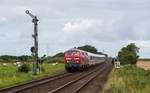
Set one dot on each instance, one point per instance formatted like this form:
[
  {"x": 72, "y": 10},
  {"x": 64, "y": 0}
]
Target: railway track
[
  {"x": 96, "y": 84},
  {"x": 30, "y": 84},
  {"x": 74, "y": 86},
  {"x": 65, "y": 83}
]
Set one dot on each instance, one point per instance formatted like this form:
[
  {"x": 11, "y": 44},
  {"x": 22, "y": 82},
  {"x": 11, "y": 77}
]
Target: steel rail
[
  {"x": 19, "y": 87},
  {"x": 74, "y": 81}
]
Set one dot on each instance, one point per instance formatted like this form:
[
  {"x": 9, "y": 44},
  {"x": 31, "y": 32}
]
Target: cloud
[
  {"x": 2, "y": 35},
  {"x": 2, "y": 19},
  {"x": 83, "y": 25},
  {"x": 77, "y": 31},
  {"x": 106, "y": 24},
  {"x": 141, "y": 43}
]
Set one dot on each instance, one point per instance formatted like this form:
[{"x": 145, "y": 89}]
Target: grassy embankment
[
  {"x": 9, "y": 75},
  {"x": 128, "y": 79}
]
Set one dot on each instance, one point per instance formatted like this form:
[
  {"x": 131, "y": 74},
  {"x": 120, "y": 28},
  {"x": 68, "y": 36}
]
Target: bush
[
  {"x": 128, "y": 58},
  {"x": 57, "y": 59},
  {"x": 128, "y": 54},
  {"x": 43, "y": 69},
  {"x": 24, "y": 68}
]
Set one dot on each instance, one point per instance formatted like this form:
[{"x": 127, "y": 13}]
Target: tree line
[
  {"x": 9, "y": 58},
  {"x": 127, "y": 55},
  {"x": 88, "y": 48}
]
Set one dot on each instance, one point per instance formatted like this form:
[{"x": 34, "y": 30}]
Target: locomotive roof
[{"x": 89, "y": 54}]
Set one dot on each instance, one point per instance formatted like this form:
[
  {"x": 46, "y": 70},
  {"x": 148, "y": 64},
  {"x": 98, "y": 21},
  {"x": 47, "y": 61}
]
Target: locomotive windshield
[
  {"x": 69, "y": 53},
  {"x": 75, "y": 53}
]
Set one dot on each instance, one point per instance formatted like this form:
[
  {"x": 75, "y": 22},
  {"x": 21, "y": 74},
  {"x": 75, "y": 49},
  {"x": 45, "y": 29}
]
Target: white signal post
[{"x": 35, "y": 36}]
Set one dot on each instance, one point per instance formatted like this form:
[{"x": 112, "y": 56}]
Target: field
[
  {"x": 128, "y": 79},
  {"x": 143, "y": 64},
  {"x": 9, "y": 75},
  {"x": 144, "y": 59}
]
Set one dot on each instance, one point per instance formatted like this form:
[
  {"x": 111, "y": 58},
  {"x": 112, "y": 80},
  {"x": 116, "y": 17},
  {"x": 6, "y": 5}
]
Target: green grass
[
  {"x": 128, "y": 79},
  {"x": 9, "y": 75}
]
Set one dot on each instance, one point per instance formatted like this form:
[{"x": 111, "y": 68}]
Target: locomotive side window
[
  {"x": 69, "y": 53},
  {"x": 82, "y": 53}
]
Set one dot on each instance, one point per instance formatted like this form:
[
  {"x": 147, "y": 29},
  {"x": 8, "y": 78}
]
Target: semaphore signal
[{"x": 35, "y": 48}]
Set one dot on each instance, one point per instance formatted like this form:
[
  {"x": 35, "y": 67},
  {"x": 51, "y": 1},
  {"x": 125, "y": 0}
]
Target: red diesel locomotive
[{"x": 76, "y": 59}]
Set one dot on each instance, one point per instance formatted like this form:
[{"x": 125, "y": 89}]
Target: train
[{"x": 79, "y": 60}]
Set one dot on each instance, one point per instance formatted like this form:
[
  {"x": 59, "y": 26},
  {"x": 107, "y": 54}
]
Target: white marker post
[{"x": 117, "y": 64}]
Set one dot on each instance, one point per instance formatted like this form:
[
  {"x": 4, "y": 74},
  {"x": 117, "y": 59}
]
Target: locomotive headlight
[
  {"x": 68, "y": 58},
  {"x": 76, "y": 58}
]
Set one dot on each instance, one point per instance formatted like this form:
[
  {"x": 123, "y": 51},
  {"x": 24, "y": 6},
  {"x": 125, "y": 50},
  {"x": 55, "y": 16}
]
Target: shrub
[
  {"x": 24, "y": 68},
  {"x": 57, "y": 59},
  {"x": 128, "y": 54},
  {"x": 43, "y": 69}
]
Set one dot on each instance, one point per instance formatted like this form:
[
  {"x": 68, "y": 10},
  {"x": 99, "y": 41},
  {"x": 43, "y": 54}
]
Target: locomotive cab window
[
  {"x": 69, "y": 53},
  {"x": 75, "y": 53}
]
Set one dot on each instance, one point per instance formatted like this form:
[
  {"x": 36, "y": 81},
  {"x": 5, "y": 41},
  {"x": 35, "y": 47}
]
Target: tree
[
  {"x": 61, "y": 54},
  {"x": 101, "y": 53},
  {"x": 24, "y": 57},
  {"x": 105, "y": 55},
  {"x": 9, "y": 58},
  {"x": 88, "y": 48},
  {"x": 91, "y": 49},
  {"x": 128, "y": 54}
]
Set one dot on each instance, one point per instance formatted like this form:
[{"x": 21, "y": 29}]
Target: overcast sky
[{"x": 108, "y": 25}]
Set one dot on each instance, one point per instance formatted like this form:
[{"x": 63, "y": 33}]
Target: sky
[{"x": 108, "y": 25}]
